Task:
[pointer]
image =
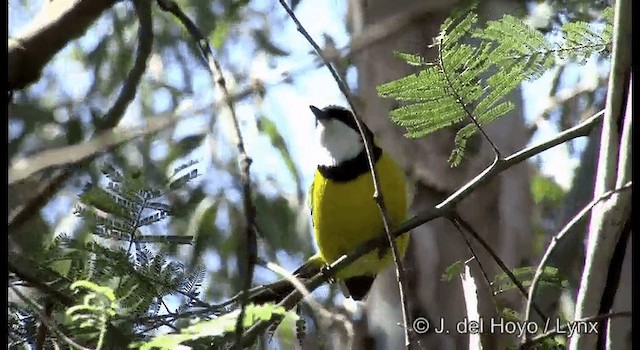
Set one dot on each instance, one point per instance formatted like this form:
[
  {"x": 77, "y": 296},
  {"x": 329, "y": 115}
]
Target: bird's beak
[{"x": 320, "y": 114}]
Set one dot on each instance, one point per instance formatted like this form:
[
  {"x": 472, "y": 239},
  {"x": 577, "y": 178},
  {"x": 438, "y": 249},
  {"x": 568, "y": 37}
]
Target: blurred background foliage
[
  {"x": 79, "y": 86},
  {"x": 82, "y": 82}
]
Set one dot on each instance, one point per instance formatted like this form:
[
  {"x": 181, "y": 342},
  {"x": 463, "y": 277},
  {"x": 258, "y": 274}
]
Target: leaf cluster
[
  {"x": 112, "y": 253},
  {"x": 478, "y": 67}
]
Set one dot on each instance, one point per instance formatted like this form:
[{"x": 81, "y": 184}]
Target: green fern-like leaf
[
  {"x": 550, "y": 277},
  {"x": 470, "y": 82},
  {"x": 108, "y": 202},
  {"x": 515, "y": 43},
  {"x": 414, "y": 60}
]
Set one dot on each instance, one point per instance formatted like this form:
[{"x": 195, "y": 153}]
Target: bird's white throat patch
[{"x": 337, "y": 142}]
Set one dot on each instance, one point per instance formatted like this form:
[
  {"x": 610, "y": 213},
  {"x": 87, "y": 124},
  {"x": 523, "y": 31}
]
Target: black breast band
[{"x": 350, "y": 169}]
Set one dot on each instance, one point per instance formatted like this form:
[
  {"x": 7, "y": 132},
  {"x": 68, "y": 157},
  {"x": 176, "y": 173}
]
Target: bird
[{"x": 343, "y": 211}]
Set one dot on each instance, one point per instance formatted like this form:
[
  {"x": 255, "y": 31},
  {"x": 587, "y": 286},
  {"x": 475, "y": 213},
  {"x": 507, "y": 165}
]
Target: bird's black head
[
  {"x": 341, "y": 114},
  {"x": 341, "y": 154}
]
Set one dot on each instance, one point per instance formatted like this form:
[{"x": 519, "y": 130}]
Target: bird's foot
[{"x": 327, "y": 273}]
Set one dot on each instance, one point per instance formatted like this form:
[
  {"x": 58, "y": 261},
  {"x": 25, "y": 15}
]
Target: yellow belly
[{"x": 345, "y": 216}]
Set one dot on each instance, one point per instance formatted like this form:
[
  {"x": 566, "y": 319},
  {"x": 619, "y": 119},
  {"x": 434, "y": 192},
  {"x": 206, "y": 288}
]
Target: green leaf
[
  {"x": 453, "y": 270},
  {"x": 277, "y": 221},
  {"x": 473, "y": 78},
  {"x": 220, "y": 33},
  {"x": 217, "y": 327},
  {"x": 108, "y": 202},
  {"x": 202, "y": 227},
  {"x": 74, "y": 131},
  {"x": 510, "y": 314},
  {"x": 546, "y": 189},
  {"x": 414, "y": 60},
  {"x": 549, "y": 277},
  {"x": 607, "y": 15},
  {"x": 183, "y": 148}
]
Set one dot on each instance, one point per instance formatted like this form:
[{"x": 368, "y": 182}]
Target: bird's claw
[{"x": 327, "y": 273}]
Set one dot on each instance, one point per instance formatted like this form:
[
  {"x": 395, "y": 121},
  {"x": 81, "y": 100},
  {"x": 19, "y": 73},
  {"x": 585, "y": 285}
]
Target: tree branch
[
  {"x": 25, "y": 167},
  {"x": 459, "y": 222},
  {"x": 57, "y": 23},
  {"x": 377, "y": 193},
  {"x": 563, "y": 329},
  {"x": 145, "y": 44},
  {"x": 614, "y": 170},
  {"x": 245, "y": 175},
  {"x": 554, "y": 242},
  {"x": 439, "y": 210}
]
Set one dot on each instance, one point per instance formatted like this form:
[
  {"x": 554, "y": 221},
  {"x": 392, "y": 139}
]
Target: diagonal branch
[
  {"x": 476, "y": 258},
  {"x": 57, "y": 23},
  {"x": 556, "y": 239},
  {"x": 130, "y": 87},
  {"x": 563, "y": 329},
  {"x": 460, "y": 222},
  {"x": 245, "y": 176},
  {"x": 20, "y": 215},
  {"x": 25, "y": 167},
  {"x": 377, "y": 193},
  {"x": 440, "y": 210}
]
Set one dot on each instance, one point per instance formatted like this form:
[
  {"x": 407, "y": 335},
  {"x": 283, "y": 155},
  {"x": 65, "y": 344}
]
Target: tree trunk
[{"x": 499, "y": 211}]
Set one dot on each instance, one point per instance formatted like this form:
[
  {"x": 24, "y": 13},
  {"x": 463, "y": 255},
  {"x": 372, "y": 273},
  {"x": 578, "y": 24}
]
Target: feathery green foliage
[
  {"x": 549, "y": 277},
  {"x": 477, "y": 68},
  {"x": 114, "y": 260}
]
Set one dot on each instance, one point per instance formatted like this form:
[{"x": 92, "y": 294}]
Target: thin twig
[
  {"x": 461, "y": 102},
  {"x": 475, "y": 257},
  {"x": 464, "y": 224},
  {"x": 307, "y": 297},
  {"x": 377, "y": 193},
  {"x": 563, "y": 329},
  {"x": 105, "y": 141},
  {"x": 439, "y": 210},
  {"x": 554, "y": 242},
  {"x": 132, "y": 236},
  {"x": 145, "y": 45},
  {"x": 245, "y": 175}
]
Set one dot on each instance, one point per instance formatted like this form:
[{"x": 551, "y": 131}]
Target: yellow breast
[{"x": 345, "y": 216}]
